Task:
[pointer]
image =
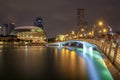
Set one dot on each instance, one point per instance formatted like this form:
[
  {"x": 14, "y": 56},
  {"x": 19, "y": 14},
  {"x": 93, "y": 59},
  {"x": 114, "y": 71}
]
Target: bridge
[
  {"x": 93, "y": 51},
  {"x": 110, "y": 48}
]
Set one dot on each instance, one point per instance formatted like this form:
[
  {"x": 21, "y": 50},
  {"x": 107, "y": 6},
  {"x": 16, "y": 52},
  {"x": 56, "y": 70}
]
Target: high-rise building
[
  {"x": 11, "y": 27},
  {"x": 6, "y": 29},
  {"x": 3, "y": 30},
  {"x": 39, "y": 22}
]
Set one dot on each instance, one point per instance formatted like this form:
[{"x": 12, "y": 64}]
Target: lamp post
[
  {"x": 73, "y": 32},
  {"x": 100, "y": 23},
  {"x": 82, "y": 29},
  {"x": 102, "y": 29},
  {"x": 82, "y": 32}
]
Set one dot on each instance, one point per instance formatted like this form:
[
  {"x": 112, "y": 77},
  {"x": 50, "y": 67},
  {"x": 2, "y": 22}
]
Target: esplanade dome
[
  {"x": 30, "y": 33},
  {"x": 26, "y": 27}
]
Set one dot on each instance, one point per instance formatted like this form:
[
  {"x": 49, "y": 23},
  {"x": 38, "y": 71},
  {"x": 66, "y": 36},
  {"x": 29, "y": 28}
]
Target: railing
[{"x": 111, "y": 50}]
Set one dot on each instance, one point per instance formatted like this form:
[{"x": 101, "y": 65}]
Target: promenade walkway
[{"x": 111, "y": 51}]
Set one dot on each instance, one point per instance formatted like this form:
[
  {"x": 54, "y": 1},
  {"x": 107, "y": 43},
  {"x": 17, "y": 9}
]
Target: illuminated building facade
[
  {"x": 3, "y": 30},
  {"x": 6, "y": 29},
  {"x": 33, "y": 34},
  {"x": 39, "y": 22}
]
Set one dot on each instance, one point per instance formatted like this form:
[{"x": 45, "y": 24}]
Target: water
[{"x": 41, "y": 63}]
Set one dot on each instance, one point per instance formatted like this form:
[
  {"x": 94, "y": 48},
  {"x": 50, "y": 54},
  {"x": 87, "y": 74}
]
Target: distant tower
[
  {"x": 81, "y": 23},
  {"x": 8, "y": 28},
  {"x": 80, "y": 14},
  {"x": 5, "y": 30},
  {"x": 39, "y": 22},
  {"x": 11, "y": 27}
]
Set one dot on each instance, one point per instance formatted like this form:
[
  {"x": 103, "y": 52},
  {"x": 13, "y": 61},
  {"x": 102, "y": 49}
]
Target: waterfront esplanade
[{"x": 30, "y": 33}]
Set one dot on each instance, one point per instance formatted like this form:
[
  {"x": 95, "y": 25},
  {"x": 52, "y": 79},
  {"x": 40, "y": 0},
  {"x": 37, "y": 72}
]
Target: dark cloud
[{"x": 59, "y": 15}]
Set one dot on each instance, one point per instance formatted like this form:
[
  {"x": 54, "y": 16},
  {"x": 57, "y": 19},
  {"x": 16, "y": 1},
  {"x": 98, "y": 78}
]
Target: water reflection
[
  {"x": 70, "y": 65},
  {"x": 1, "y": 59},
  {"x": 40, "y": 63}
]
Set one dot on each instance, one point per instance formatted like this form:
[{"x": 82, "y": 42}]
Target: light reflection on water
[
  {"x": 40, "y": 63},
  {"x": 71, "y": 65}
]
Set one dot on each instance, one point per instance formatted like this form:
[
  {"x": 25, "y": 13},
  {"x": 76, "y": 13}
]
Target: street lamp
[
  {"x": 90, "y": 34},
  {"x": 73, "y": 32},
  {"x": 100, "y": 23},
  {"x": 82, "y": 29},
  {"x": 104, "y": 30}
]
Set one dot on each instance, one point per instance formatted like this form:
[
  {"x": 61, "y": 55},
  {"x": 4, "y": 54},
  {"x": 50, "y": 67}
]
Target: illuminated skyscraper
[
  {"x": 11, "y": 27},
  {"x": 6, "y": 29},
  {"x": 39, "y": 22}
]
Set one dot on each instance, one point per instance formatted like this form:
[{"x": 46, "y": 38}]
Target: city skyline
[{"x": 60, "y": 16}]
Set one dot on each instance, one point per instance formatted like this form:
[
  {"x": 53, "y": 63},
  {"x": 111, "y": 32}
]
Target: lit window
[{"x": 33, "y": 30}]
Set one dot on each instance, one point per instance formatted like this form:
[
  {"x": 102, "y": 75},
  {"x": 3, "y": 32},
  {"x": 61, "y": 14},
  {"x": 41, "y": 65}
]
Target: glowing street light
[
  {"x": 81, "y": 35},
  {"x": 82, "y": 29},
  {"x": 73, "y": 32},
  {"x": 100, "y": 23},
  {"x": 104, "y": 30},
  {"x": 90, "y": 33}
]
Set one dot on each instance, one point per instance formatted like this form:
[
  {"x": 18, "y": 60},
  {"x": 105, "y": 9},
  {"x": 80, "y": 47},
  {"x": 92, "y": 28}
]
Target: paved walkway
[{"x": 115, "y": 73}]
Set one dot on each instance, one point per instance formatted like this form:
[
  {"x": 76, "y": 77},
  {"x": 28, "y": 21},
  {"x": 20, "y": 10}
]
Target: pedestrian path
[{"x": 115, "y": 73}]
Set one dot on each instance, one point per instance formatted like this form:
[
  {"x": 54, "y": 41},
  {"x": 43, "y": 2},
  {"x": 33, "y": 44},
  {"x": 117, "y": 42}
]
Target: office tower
[{"x": 11, "y": 27}]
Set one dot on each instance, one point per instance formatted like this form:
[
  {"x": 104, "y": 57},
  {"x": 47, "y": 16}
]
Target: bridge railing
[{"x": 110, "y": 48}]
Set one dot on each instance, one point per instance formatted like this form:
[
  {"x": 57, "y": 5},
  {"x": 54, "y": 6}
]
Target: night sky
[{"x": 60, "y": 16}]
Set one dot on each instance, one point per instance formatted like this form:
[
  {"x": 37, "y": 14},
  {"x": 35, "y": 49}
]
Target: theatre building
[{"x": 31, "y": 34}]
